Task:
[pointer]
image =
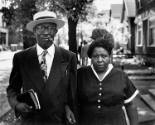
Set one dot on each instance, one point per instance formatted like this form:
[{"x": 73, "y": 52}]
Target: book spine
[{"x": 39, "y": 107}]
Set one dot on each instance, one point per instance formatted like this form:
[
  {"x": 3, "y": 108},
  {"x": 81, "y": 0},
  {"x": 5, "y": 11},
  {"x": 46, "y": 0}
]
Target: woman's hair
[
  {"x": 98, "y": 32},
  {"x": 106, "y": 42}
]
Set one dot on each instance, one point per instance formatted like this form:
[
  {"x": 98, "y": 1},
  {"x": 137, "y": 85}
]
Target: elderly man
[{"x": 49, "y": 71}]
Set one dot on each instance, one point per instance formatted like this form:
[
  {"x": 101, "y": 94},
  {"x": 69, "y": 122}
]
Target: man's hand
[
  {"x": 23, "y": 108},
  {"x": 70, "y": 116}
]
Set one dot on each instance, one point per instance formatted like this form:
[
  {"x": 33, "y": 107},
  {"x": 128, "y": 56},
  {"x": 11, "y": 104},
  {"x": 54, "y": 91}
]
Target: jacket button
[
  {"x": 100, "y": 88},
  {"x": 100, "y": 84}
]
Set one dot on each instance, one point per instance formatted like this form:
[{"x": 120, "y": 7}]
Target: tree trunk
[{"x": 72, "y": 34}]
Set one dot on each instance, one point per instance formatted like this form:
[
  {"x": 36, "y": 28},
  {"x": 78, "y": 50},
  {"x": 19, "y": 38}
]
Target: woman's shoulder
[{"x": 118, "y": 71}]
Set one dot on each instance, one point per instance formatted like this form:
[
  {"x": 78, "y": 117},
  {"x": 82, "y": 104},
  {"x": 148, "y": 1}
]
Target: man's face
[{"x": 45, "y": 33}]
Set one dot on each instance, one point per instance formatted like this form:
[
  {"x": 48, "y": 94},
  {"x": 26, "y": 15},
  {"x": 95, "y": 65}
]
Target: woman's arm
[{"x": 131, "y": 110}]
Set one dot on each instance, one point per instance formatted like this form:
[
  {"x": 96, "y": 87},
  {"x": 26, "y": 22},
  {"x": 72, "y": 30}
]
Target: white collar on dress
[{"x": 110, "y": 67}]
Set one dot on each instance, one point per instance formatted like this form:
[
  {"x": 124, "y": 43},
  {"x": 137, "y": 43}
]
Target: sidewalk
[
  {"x": 5, "y": 69},
  {"x": 144, "y": 79},
  {"x": 147, "y": 74}
]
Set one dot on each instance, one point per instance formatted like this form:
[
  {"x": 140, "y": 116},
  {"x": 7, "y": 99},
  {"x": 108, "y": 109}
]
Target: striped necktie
[{"x": 43, "y": 65}]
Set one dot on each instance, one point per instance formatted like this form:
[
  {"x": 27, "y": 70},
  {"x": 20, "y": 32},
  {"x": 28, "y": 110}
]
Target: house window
[
  {"x": 151, "y": 39},
  {"x": 139, "y": 35},
  {"x": 2, "y": 38}
]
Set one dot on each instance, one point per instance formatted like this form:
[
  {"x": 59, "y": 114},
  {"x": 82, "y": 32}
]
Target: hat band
[{"x": 44, "y": 17}]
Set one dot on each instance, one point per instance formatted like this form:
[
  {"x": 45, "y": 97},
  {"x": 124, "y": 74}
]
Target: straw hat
[{"x": 43, "y": 17}]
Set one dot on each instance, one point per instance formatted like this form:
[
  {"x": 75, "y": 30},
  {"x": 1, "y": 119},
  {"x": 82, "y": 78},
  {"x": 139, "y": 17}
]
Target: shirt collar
[{"x": 51, "y": 50}]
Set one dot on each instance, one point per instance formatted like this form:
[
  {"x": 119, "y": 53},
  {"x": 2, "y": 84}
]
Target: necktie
[{"x": 43, "y": 65}]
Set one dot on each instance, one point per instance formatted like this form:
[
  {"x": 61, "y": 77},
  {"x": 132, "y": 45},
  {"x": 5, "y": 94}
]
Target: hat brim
[{"x": 32, "y": 24}]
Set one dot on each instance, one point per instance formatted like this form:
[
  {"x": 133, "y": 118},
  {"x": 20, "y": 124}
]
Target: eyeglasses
[{"x": 45, "y": 27}]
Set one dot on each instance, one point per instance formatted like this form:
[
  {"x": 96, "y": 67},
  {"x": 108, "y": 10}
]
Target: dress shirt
[{"x": 49, "y": 56}]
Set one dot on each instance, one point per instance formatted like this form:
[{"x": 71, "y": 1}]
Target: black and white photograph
[{"x": 77, "y": 62}]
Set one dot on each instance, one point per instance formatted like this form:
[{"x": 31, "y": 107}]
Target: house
[
  {"x": 145, "y": 30},
  {"x": 140, "y": 15},
  {"x": 128, "y": 15}
]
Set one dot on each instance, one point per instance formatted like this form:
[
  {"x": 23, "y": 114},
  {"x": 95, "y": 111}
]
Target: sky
[{"x": 105, "y": 4}]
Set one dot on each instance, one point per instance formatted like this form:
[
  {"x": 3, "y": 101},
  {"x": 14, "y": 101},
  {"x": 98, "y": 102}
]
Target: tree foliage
[
  {"x": 73, "y": 9},
  {"x": 8, "y": 15},
  {"x": 24, "y": 13},
  {"x": 19, "y": 13}
]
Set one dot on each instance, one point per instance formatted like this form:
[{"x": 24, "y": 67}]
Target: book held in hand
[{"x": 29, "y": 97}]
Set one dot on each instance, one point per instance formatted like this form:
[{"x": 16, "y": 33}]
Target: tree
[
  {"x": 8, "y": 14},
  {"x": 8, "y": 19},
  {"x": 24, "y": 13},
  {"x": 73, "y": 9},
  {"x": 17, "y": 19}
]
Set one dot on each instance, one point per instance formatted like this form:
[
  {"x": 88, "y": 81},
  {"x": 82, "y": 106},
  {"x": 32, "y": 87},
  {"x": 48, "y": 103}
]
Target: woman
[{"x": 105, "y": 94}]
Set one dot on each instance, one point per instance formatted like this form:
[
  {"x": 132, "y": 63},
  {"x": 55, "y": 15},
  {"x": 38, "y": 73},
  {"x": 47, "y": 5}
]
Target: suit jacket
[{"x": 58, "y": 90}]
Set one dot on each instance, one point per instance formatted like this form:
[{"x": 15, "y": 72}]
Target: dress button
[
  {"x": 98, "y": 106},
  {"x": 100, "y": 94},
  {"x": 100, "y": 84},
  {"x": 98, "y": 100},
  {"x": 100, "y": 88}
]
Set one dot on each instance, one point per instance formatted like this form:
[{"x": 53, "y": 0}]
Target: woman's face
[{"x": 100, "y": 59}]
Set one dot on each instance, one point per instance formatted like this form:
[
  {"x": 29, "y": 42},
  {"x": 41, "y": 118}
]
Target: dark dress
[{"x": 101, "y": 102}]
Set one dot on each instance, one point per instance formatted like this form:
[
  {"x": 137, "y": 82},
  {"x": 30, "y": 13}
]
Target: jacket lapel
[
  {"x": 34, "y": 69},
  {"x": 56, "y": 71}
]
